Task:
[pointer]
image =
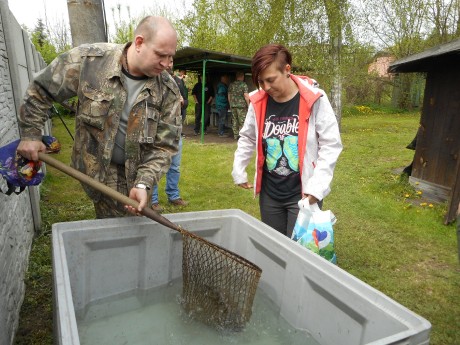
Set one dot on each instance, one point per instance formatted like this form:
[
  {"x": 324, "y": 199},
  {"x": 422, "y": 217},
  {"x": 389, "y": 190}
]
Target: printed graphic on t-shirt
[{"x": 281, "y": 136}]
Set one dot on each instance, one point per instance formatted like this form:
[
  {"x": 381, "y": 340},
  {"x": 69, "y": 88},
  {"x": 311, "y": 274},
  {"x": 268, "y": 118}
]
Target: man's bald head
[
  {"x": 150, "y": 26},
  {"x": 153, "y": 47}
]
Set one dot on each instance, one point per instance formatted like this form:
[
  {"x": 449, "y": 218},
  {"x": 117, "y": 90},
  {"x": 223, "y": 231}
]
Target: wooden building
[{"x": 436, "y": 167}]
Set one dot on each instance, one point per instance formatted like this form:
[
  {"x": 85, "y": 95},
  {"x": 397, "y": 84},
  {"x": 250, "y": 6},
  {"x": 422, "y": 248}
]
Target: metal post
[{"x": 203, "y": 96}]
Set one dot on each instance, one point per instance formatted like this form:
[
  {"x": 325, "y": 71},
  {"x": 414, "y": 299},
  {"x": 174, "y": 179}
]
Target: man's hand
[
  {"x": 30, "y": 148},
  {"x": 245, "y": 185},
  {"x": 140, "y": 195}
]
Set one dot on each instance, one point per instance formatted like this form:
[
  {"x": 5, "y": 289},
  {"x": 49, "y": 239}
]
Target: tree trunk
[
  {"x": 336, "y": 91},
  {"x": 336, "y": 20},
  {"x": 457, "y": 32},
  {"x": 87, "y": 21}
]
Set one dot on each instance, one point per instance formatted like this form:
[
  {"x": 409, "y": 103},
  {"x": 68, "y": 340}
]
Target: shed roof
[
  {"x": 428, "y": 59},
  {"x": 192, "y": 59}
]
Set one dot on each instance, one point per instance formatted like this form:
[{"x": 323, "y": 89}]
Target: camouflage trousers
[
  {"x": 238, "y": 117},
  {"x": 107, "y": 207}
]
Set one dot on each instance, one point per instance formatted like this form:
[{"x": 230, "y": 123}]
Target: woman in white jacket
[{"x": 292, "y": 128}]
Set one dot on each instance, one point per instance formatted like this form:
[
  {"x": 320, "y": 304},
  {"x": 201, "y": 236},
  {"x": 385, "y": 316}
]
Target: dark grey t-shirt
[{"x": 133, "y": 86}]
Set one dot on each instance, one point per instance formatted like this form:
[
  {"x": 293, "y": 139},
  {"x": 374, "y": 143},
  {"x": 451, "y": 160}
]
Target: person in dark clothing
[
  {"x": 180, "y": 80},
  {"x": 208, "y": 97}
]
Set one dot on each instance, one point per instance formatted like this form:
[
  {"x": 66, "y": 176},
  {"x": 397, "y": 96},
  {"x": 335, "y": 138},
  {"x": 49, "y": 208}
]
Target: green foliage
[
  {"x": 243, "y": 26},
  {"x": 358, "y": 85},
  {"x": 124, "y": 28},
  {"x": 313, "y": 31},
  {"x": 372, "y": 109},
  {"x": 125, "y": 23},
  {"x": 42, "y": 43}
]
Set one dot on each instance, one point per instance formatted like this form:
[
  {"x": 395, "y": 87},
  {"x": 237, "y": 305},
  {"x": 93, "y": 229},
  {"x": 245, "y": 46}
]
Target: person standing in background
[
  {"x": 173, "y": 174},
  {"x": 238, "y": 97},
  {"x": 184, "y": 93},
  {"x": 222, "y": 104},
  {"x": 208, "y": 97},
  {"x": 172, "y": 184}
]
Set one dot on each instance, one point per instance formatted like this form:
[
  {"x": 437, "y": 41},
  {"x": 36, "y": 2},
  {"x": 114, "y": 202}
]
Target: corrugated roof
[
  {"x": 428, "y": 59},
  {"x": 192, "y": 59}
]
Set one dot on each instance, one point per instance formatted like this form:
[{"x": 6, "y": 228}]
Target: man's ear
[{"x": 138, "y": 40}]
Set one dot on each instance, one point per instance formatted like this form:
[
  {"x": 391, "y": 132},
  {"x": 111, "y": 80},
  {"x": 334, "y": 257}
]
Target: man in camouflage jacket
[
  {"x": 238, "y": 96},
  {"x": 93, "y": 73}
]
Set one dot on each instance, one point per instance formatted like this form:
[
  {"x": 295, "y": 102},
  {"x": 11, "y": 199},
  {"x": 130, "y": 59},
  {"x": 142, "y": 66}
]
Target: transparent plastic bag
[{"x": 313, "y": 230}]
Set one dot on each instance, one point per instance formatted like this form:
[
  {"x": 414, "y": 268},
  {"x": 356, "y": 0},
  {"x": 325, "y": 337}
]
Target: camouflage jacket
[
  {"x": 92, "y": 72},
  {"x": 236, "y": 92}
]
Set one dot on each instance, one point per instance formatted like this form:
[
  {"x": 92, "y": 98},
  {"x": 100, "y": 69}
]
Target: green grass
[{"x": 383, "y": 236}]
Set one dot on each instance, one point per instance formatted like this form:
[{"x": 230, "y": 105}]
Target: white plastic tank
[{"x": 99, "y": 259}]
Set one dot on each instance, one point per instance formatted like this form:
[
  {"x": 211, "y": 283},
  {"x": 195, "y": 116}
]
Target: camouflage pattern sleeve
[
  {"x": 55, "y": 83},
  {"x": 155, "y": 158}
]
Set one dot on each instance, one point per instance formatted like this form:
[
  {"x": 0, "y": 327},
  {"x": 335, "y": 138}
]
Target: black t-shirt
[
  {"x": 281, "y": 176},
  {"x": 208, "y": 92},
  {"x": 181, "y": 85}
]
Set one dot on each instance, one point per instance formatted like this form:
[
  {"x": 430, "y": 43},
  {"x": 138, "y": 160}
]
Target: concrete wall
[{"x": 19, "y": 214}]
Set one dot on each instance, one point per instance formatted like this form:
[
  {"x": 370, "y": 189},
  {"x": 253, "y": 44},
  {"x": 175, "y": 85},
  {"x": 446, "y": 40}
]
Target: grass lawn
[{"x": 383, "y": 235}]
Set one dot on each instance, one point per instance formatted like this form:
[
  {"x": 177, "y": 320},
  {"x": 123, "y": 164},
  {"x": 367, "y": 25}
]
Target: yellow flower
[
  {"x": 430, "y": 205},
  {"x": 406, "y": 195},
  {"x": 419, "y": 192},
  {"x": 423, "y": 204}
]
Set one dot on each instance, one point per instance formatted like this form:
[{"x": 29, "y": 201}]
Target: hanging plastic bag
[
  {"x": 20, "y": 172},
  {"x": 313, "y": 230}
]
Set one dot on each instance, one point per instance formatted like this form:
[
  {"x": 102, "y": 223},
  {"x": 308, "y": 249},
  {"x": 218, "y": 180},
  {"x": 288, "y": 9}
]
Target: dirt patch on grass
[{"x": 211, "y": 136}]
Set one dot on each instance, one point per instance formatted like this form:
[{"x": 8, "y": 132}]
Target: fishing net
[{"x": 218, "y": 285}]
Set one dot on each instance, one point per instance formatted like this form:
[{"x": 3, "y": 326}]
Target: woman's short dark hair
[{"x": 265, "y": 56}]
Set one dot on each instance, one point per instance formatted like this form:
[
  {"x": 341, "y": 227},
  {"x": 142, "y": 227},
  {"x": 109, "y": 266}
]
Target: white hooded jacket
[{"x": 322, "y": 149}]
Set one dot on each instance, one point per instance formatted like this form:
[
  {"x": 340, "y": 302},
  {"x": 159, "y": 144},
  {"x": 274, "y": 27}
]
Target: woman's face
[{"x": 273, "y": 81}]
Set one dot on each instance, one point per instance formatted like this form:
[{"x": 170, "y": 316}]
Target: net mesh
[{"x": 218, "y": 286}]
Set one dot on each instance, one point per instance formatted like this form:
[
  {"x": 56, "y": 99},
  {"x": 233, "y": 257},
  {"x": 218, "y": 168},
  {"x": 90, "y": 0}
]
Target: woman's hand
[{"x": 311, "y": 199}]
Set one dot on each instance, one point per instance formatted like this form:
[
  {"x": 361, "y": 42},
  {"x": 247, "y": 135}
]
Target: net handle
[{"x": 111, "y": 193}]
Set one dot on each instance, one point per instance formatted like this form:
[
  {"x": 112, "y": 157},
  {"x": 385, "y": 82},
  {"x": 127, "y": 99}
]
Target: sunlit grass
[{"x": 384, "y": 236}]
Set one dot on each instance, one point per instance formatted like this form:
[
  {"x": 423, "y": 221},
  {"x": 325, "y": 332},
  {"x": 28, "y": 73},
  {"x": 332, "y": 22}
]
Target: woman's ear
[{"x": 287, "y": 69}]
